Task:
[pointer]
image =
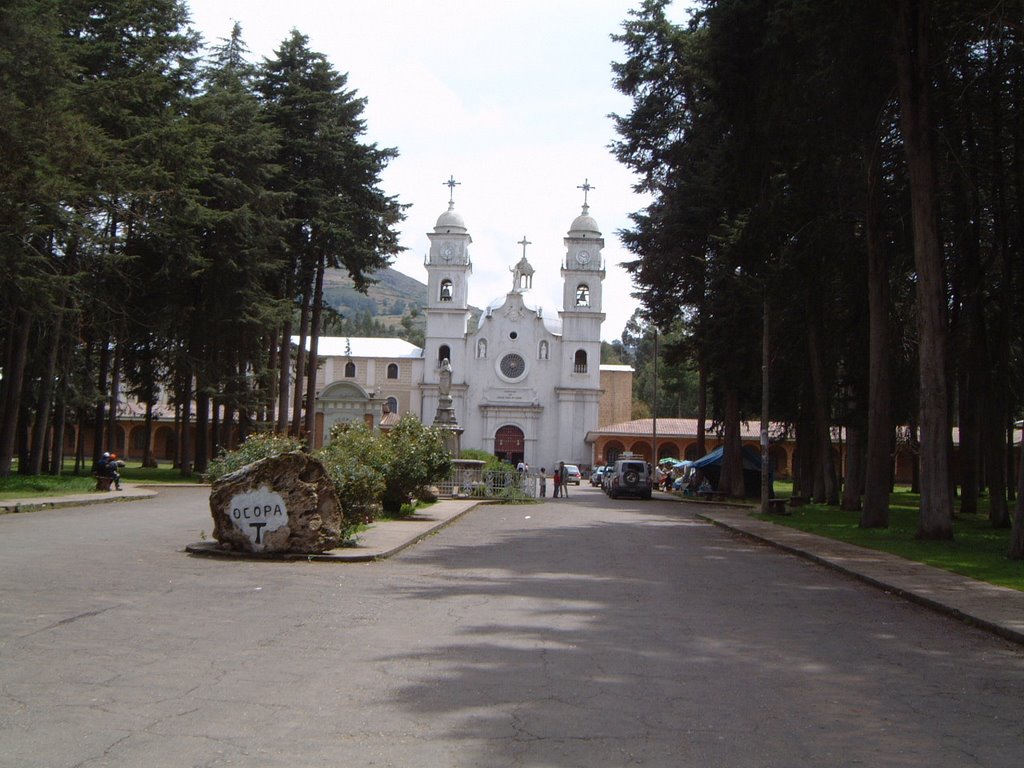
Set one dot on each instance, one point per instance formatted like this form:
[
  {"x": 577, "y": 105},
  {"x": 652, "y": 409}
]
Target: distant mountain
[{"x": 387, "y": 300}]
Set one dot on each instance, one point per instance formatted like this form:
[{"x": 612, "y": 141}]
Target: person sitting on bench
[{"x": 107, "y": 467}]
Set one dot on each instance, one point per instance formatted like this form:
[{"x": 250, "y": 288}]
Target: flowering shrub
[
  {"x": 259, "y": 445},
  {"x": 415, "y": 458},
  {"x": 356, "y": 461}
]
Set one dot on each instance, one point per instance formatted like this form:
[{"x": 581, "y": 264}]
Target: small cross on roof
[
  {"x": 452, "y": 184},
  {"x": 586, "y": 187}
]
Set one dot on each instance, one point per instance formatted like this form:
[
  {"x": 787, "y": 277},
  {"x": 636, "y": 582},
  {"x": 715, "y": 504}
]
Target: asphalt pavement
[
  {"x": 996, "y": 609},
  {"x": 578, "y": 632}
]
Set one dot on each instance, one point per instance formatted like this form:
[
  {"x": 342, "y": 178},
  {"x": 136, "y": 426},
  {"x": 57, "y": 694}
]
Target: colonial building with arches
[{"x": 677, "y": 439}]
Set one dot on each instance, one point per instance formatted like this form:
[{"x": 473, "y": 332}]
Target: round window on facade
[
  {"x": 512, "y": 366},
  {"x": 513, "y": 335}
]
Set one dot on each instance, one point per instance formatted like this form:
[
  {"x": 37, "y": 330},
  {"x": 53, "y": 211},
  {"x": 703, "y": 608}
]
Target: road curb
[
  {"x": 1011, "y": 630},
  {"x": 391, "y": 537}
]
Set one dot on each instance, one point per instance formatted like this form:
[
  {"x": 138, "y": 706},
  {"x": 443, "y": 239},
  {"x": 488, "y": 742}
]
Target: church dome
[
  {"x": 450, "y": 221},
  {"x": 584, "y": 225}
]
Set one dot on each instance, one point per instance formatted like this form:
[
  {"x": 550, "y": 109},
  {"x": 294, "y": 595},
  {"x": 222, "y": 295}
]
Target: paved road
[{"x": 582, "y": 632}]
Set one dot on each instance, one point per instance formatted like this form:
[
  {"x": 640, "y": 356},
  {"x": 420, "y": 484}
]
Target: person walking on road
[
  {"x": 558, "y": 484},
  {"x": 563, "y": 478}
]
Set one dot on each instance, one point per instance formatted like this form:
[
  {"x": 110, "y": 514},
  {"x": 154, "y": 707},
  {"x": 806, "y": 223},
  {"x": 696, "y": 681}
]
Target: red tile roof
[{"x": 677, "y": 428}]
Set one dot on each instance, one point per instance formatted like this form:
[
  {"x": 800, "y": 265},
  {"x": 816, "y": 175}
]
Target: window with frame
[
  {"x": 392, "y": 370},
  {"x": 579, "y": 362}
]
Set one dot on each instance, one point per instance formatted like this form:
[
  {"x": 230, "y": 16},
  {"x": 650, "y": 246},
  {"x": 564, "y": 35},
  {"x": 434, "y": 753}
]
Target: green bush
[
  {"x": 259, "y": 445},
  {"x": 416, "y": 458},
  {"x": 490, "y": 460},
  {"x": 356, "y": 460}
]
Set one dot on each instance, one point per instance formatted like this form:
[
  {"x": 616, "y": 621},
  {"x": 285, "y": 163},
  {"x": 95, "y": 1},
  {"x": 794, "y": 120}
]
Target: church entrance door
[{"x": 510, "y": 444}]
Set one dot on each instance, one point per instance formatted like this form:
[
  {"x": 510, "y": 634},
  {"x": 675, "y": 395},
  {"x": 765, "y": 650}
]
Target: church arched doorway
[{"x": 510, "y": 444}]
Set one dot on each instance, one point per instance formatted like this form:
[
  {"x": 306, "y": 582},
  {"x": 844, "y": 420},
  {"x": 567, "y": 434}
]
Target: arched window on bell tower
[
  {"x": 444, "y": 352},
  {"x": 582, "y": 295},
  {"x": 579, "y": 362},
  {"x": 446, "y": 290}
]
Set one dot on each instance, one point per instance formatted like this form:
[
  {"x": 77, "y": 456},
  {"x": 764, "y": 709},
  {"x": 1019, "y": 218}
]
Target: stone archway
[{"x": 510, "y": 444}]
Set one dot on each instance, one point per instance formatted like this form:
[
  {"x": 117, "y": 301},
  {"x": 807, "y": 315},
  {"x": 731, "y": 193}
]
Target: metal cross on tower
[
  {"x": 585, "y": 186},
  {"x": 452, "y": 184}
]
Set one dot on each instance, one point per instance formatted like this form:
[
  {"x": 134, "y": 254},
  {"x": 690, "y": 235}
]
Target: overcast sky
[{"x": 511, "y": 97}]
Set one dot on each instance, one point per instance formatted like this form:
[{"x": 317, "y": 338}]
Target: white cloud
[{"x": 510, "y": 96}]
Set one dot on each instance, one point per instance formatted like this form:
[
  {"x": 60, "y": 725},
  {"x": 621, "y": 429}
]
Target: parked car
[
  {"x": 596, "y": 476},
  {"x": 631, "y": 477},
  {"x": 572, "y": 474}
]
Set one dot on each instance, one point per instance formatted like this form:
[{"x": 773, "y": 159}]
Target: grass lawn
[
  {"x": 978, "y": 550},
  {"x": 25, "y": 487}
]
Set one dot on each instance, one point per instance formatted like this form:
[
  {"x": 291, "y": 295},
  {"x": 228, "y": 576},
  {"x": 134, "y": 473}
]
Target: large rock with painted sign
[{"x": 284, "y": 504}]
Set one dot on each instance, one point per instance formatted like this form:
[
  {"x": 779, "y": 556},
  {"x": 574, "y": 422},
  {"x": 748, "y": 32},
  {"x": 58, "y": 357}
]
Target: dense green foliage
[
  {"x": 794, "y": 150},
  {"x": 167, "y": 212},
  {"x": 356, "y": 459},
  {"x": 416, "y": 457},
  {"x": 371, "y": 471},
  {"x": 259, "y": 445}
]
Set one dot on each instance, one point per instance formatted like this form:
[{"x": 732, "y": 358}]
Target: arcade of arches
[{"x": 677, "y": 439}]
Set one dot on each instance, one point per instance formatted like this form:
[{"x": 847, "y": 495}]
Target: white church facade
[{"x": 525, "y": 385}]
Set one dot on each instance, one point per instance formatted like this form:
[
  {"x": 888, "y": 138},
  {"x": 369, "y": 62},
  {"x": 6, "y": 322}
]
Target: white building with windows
[{"x": 526, "y": 384}]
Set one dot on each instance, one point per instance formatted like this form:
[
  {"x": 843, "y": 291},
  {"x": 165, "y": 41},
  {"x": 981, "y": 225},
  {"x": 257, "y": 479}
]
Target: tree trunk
[
  {"x": 730, "y": 481},
  {"x": 100, "y": 412},
  {"x": 147, "y": 452},
  {"x": 113, "y": 432},
  {"x": 284, "y": 376},
  {"x": 912, "y": 59},
  {"x": 702, "y": 407},
  {"x": 202, "y": 427},
  {"x": 853, "y": 480},
  {"x": 184, "y": 447},
  {"x": 1017, "y": 531},
  {"x": 822, "y": 423},
  {"x": 300, "y": 359},
  {"x": 995, "y": 435},
  {"x": 314, "y": 339},
  {"x": 12, "y": 382},
  {"x": 60, "y": 418},
  {"x": 45, "y": 402},
  {"x": 878, "y": 459}
]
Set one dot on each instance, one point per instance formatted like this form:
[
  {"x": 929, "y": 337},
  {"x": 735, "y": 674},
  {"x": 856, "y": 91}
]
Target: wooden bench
[
  {"x": 777, "y": 507},
  {"x": 103, "y": 483}
]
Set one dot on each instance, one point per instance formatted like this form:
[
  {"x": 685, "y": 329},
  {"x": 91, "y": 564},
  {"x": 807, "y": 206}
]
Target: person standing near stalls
[
  {"x": 564, "y": 479},
  {"x": 543, "y": 478},
  {"x": 558, "y": 483}
]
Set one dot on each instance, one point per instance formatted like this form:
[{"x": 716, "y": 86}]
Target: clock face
[
  {"x": 512, "y": 365},
  {"x": 447, "y": 253},
  {"x": 583, "y": 257}
]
